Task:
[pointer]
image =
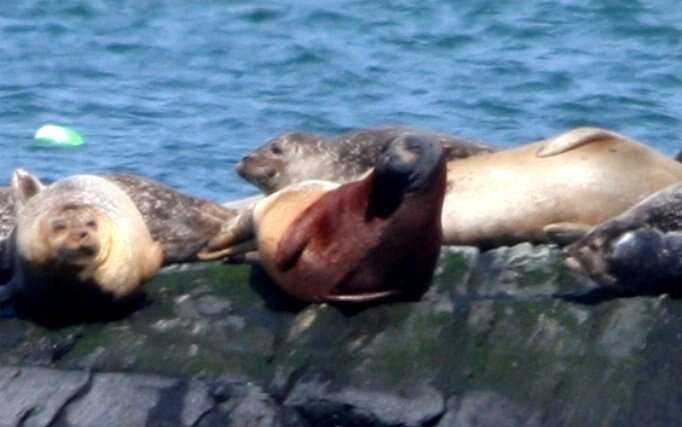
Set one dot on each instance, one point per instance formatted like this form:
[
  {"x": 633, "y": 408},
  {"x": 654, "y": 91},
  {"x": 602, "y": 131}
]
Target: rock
[
  {"x": 35, "y": 396},
  {"x": 320, "y": 404},
  {"x": 508, "y": 337}
]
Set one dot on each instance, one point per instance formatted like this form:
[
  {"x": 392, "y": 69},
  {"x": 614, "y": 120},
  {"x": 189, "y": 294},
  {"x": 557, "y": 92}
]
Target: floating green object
[{"x": 58, "y": 135}]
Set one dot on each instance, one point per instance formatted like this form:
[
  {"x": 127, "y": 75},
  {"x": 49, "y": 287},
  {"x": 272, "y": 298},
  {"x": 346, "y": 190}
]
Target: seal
[
  {"x": 638, "y": 251},
  {"x": 183, "y": 224},
  {"x": 370, "y": 239},
  {"x": 80, "y": 236},
  {"x": 299, "y": 156},
  {"x": 551, "y": 190}
]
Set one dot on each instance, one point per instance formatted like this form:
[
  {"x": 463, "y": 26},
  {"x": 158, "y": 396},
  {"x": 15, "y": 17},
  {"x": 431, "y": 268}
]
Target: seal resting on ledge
[
  {"x": 299, "y": 156},
  {"x": 77, "y": 241},
  {"x": 638, "y": 251},
  {"x": 551, "y": 190},
  {"x": 370, "y": 239}
]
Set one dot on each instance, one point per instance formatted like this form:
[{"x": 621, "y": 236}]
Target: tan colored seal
[
  {"x": 552, "y": 189},
  {"x": 82, "y": 234}
]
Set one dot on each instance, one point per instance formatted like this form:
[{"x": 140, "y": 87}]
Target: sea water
[{"x": 180, "y": 90}]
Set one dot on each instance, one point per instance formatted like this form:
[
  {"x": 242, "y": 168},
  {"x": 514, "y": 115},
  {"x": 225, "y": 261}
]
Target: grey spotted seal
[
  {"x": 638, "y": 251},
  {"x": 80, "y": 235},
  {"x": 299, "y": 156},
  {"x": 370, "y": 239}
]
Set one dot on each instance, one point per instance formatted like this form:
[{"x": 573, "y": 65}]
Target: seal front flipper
[
  {"x": 297, "y": 237},
  {"x": 575, "y": 138},
  {"x": 238, "y": 231},
  {"x": 564, "y": 233},
  {"x": 363, "y": 297}
]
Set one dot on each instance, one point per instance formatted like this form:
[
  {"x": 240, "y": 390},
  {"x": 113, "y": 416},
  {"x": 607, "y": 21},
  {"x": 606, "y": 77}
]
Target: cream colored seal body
[
  {"x": 79, "y": 231},
  {"x": 558, "y": 186}
]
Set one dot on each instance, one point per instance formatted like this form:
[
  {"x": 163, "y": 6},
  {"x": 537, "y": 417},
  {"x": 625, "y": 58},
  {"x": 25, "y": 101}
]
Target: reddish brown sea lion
[{"x": 369, "y": 239}]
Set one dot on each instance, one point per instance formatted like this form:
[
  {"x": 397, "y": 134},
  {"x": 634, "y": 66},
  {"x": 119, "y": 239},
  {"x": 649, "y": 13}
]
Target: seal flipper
[
  {"x": 294, "y": 241},
  {"x": 363, "y": 297},
  {"x": 564, "y": 233},
  {"x": 575, "y": 138},
  {"x": 237, "y": 232}
]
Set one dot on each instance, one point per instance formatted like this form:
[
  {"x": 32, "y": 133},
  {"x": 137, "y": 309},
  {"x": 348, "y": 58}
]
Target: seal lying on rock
[
  {"x": 181, "y": 223},
  {"x": 554, "y": 189},
  {"x": 80, "y": 235},
  {"x": 369, "y": 239},
  {"x": 299, "y": 156},
  {"x": 638, "y": 251}
]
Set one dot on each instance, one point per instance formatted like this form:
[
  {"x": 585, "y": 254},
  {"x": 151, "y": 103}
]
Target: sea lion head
[
  {"x": 288, "y": 158},
  {"x": 408, "y": 164}
]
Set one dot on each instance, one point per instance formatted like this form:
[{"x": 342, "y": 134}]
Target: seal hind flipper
[
  {"x": 564, "y": 233},
  {"x": 575, "y": 138},
  {"x": 238, "y": 232}
]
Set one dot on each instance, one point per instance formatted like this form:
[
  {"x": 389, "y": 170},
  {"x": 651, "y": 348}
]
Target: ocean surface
[{"x": 180, "y": 90}]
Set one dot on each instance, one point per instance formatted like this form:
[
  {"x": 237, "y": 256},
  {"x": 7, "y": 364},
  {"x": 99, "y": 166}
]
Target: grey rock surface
[{"x": 507, "y": 337}]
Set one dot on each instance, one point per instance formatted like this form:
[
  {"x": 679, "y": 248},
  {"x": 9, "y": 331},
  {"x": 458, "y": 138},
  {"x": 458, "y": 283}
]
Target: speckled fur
[{"x": 299, "y": 156}]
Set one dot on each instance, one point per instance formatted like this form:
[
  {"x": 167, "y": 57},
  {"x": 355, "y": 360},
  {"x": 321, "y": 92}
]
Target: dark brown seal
[
  {"x": 299, "y": 156},
  {"x": 638, "y": 251},
  {"x": 365, "y": 240}
]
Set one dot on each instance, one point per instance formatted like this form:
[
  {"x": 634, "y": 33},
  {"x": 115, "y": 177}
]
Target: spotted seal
[
  {"x": 299, "y": 156},
  {"x": 638, "y": 251}
]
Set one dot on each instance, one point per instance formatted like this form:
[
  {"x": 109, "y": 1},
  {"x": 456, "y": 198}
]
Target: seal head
[{"x": 639, "y": 251}]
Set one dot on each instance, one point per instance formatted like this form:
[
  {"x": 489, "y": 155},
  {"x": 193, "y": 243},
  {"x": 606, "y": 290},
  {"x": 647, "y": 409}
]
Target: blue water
[{"x": 179, "y": 90}]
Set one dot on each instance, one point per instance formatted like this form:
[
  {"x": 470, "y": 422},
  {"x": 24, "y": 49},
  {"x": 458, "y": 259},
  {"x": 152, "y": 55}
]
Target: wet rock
[
  {"x": 35, "y": 396},
  {"x": 319, "y": 403},
  {"x": 488, "y": 409},
  {"x": 509, "y": 336}
]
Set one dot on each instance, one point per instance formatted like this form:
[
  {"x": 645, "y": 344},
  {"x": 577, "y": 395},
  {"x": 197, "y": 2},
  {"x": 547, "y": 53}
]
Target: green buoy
[{"x": 58, "y": 135}]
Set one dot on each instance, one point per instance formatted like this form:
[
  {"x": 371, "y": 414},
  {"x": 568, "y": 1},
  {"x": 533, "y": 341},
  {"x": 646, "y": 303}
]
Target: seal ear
[
  {"x": 574, "y": 139},
  {"x": 25, "y": 186}
]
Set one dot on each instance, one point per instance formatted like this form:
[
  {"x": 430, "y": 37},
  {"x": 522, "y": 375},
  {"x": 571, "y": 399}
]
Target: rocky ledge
[{"x": 506, "y": 337}]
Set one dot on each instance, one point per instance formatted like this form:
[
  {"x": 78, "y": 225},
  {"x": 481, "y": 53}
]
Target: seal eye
[
  {"x": 91, "y": 224},
  {"x": 276, "y": 149},
  {"x": 58, "y": 226}
]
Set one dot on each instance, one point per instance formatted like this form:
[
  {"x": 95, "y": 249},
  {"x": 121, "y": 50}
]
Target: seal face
[
  {"x": 299, "y": 156},
  {"x": 81, "y": 236},
  {"x": 365, "y": 240},
  {"x": 638, "y": 251}
]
